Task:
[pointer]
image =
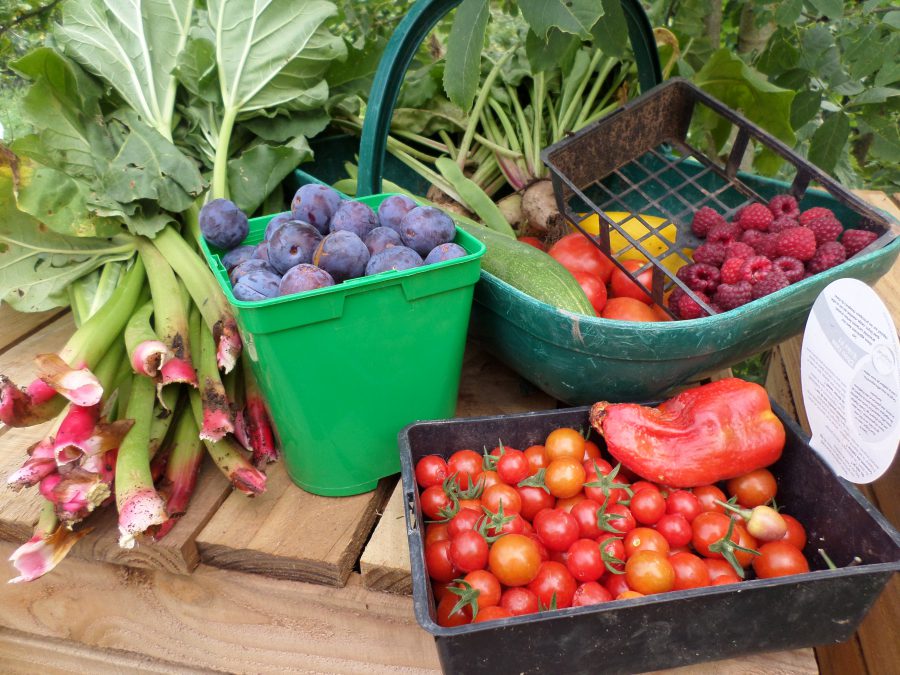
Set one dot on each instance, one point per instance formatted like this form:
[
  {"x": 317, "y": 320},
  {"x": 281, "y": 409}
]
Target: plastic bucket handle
[{"x": 403, "y": 45}]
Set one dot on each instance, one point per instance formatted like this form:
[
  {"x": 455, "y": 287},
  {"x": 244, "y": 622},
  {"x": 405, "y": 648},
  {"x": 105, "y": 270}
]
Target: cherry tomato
[
  {"x": 433, "y": 500},
  {"x": 707, "y": 496},
  {"x": 585, "y": 514},
  {"x": 438, "y": 563},
  {"x": 491, "y": 613},
  {"x": 537, "y": 458},
  {"x": 564, "y": 477},
  {"x": 717, "y": 568},
  {"x": 629, "y": 595},
  {"x": 690, "y": 572},
  {"x": 627, "y": 309},
  {"x": 593, "y": 288},
  {"x": 616, "y": 584},
  {"x": 488, "y": 588},
  {"x": 501, "y": 493},
  {"x": 647, "y": 506},
  {"x": 470, "y": 504},
  {"x": 514, "y": 559},
  {"x": 708, "y": 528},
  {"x": 557, "y": 529},
  {"x": 436, "y": 532},
  {"x": 553, "y": 580},
  {"x": 513, "y": 467},
  {"x": 594, "y": 464},
  {"x": 644, "y": 539},
  {"x": 465, "y": 519},
  {"x": 620, "y": 518},
  {"x": 469, "y": 551},
  {"x": 441, "y": 589},
  {"x": 622, "y": 286},
  {"x": 602, "y": 493},
  {"x": 591, "y": 451},
  {"x": 746, "y": 540},
  {"x": 564, "y": 442},
  {"x": 778, "y": 559},
  {"x": 585, "y": 560},
  {"x": 542, "y": 550},
  {"x": 534, "y": 499},
  {"x": 519, "y": 600},
  {"x": 683, "y": 503},
  {"x": 487, "y": 479},
  {"x": 796, "y": 533},
  {"x": 650, "y": 572},
  {"x": 447, "y": 617},
  {"x": 515, "y": 525},
  {"x": 577, "y": 254},
  {"x": 466, "y": 464},
  {"x": 431, "y": 470},
  {"x": 754, "y": 488},
  {"x": 559, "y": 556},
  {"x": 590, "y": 593},
  {"x": 533, "y": 241},
  {"x": 676, "y": 529},
  {"x": 569, "y": 503},
  {"x": 726, "y": 579},
  {"x": 613, "y": 549}
]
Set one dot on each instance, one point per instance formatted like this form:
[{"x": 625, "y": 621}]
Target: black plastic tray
[{"x": 682, "y": 627}]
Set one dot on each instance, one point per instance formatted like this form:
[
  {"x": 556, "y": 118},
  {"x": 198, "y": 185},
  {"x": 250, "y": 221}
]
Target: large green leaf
[
  {"x": 611, "y": 30},
  {"x": 546, "y": 55},
  {"x": 38, "y": 265},
  {"x": 739, "y": 86},
  {"x": 273, "y": 52},
  {"x": 462, "y": 72},
  {"x": 260, "y": 170},
  {"x": 148, "y": 166},
  {"x": 196, "y": 69},
  {"x": 133, "y": 45},
  {"x": 833, "y": 9},
  {"x": 570, "y": 16},
  {"x": 290, "y": 125},
  {"x": 827, "y": 144}
]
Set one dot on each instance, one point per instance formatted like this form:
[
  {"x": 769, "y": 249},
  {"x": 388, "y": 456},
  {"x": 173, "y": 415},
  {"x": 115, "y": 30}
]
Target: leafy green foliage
[{"x": 463, "y": 69}]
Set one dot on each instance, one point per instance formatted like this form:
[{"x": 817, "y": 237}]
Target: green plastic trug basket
[{"x": 344, "y": 368}]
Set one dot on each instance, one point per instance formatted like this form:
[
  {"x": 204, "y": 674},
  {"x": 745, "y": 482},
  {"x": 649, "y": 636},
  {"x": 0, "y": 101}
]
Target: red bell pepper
[{"x": 703, "y": 435}]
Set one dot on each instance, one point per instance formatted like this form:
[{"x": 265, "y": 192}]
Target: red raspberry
[
  {"x": 825, "y": 229},
  {"x": 791, "y": 268},
  {"x": 729, "y": 296},
  {"x": 771, "y": 282},
  {"x": 710, "y": 254},
  {"x": 796, "y": 242},
  {"x": 672, "y": 302},
  {"x": 755, "y": 216},
  {"x": 784, "y": 205},
  {"x": 813, "y": 213},
  {"x": 856, "y": 240},
  {"x": 755, "y": 268},
  {"x": 739, "y": 249},
  {"x": 731, "y": 270},
  {"x": 828, "y": 255},
  {"x": 765, "y": 244},
  {"x": 724, "y": 233},
  {"x": 752, "y": 238},
  {"x": 704, "y": 220},
  {"x": 700, "y": 277},
  {"x": 689, "y": 309},
  {"x": 782, "y": 223}
]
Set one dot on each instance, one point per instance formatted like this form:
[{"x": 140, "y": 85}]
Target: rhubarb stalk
[
  {"x": 140, "y": 506},
  {"x": 185, "y": 455},
  {"x": 146, "y": 352},
  {"x": 45, "y": 549},
  {"x": 217, "y": 415},
  {"x": 256, "y": 421},
  {"x": 206, "y": 294},
  {"x": 228, "y": 457}
]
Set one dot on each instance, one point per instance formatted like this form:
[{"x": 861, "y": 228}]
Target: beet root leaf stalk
[{"x": 127, "y": 112}]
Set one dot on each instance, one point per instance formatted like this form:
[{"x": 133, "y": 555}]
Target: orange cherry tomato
[
  {"x": 564, "y": 477},
  {"x": 627, "y": 309},
  {"x": 650, "y": 572},
  {"x": 645, "y": 539},
  {"x": 564, "y": 442}
]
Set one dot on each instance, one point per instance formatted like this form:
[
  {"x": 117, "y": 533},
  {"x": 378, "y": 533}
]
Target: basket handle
[{"x": 399, "y": 54}]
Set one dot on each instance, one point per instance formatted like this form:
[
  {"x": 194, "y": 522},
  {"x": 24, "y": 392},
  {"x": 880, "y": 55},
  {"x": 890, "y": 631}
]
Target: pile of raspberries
[{"x": 765, "y": 248}]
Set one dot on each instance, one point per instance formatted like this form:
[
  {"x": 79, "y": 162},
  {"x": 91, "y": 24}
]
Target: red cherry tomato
[
  {"x": 469, "y": 551},
  {"x": 557, "y": 529},
  {"x": 647, "y": 506},
  {"x": 593, "y": 288},
  {"x": 590, "y": 593},
  {"x": 487, "y": 585},
  {"x": 491, "y": 613},
  {"x": 537, "y": 458},
  {"x": 447, "y": 617},
  {"x": 778, "y": 559},
  {"x": 519, "y": 600},
  {"x": 585, "y": 560},
  {"x": 717, "y": 567},
  {"x": 465, "y": 519},
  {"x": 585, "y": 514},
  {"x": 637, "y": 486},
  {"x": 675, "y": 528},
  {"x": 707, "y": 496},
  {"x": 534, "y": 499},
  {"x": 466, "y": 464},
  {"x": 754, "y": 488},
  {"x": 796, "y": 533},
  {"x": 501, "y": 493},
  {"x": 533, "y": 241},
  {"x": 616, "y": 584},
  {"x": 554, "y": 585},
  {"x": 433, "y": 500},
  {"x": 438, "y": 563},
  {"x": 690, "y": 572},
  {"x": 436, "y": 532},
  {"x": 620, "y": 519},
  {"x": 512, "y": 467},
  {"x": 577, "y": 254},
  {"x": 684, "y": 503},
  {"x": 613, "y": 550},
  {"x": 431, "y": 470}
]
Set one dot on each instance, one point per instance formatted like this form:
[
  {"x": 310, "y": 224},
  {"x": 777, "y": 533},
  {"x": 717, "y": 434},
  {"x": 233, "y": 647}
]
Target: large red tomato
[
  {"x": 622, "y": 286},
  {"x": 593, "y": 288},
  {"x": 577, "y": 254}
]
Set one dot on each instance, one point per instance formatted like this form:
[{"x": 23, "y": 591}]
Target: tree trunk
[
  {"x": 713, "y": 23},
  {"x": 752, "y": 38}
]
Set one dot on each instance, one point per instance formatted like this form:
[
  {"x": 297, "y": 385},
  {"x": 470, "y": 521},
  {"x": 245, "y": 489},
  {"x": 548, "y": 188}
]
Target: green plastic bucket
[{"x": 344, "y": 368}]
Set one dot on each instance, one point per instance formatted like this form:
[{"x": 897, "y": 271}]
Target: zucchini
[{"x": 529, "y": 270}]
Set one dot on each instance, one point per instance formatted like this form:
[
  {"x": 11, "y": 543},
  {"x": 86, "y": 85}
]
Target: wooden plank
[
  {"x": 777, "y": 384},
  {"x": 841, "y": 659},
  {"x": 795, "y": 662},
  {"x": 385, "y": 562},
  {"x": 15, "y": 326},
  {"x": 222, "y": 620},
  {"x": 288, "y": 533},
  {"x": 23, "y": 654},
  {"x": 877, "y": 634}
]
